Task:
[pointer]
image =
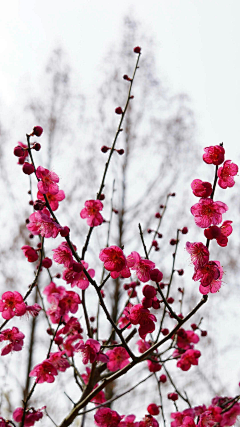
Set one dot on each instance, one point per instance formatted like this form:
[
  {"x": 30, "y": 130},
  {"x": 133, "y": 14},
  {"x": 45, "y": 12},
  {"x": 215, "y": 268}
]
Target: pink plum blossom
[
  {"x": 226, "y": 173},
  {"x": 16, "y": 340},
  {"x": 91, "y": 351},
  {"x": 12, "y": 304},
  {"x": 40, "y": 223},
  {"x": 188, "y": 358},
  {"x": 76, "y": 278},
  {"x": 53, "y": 199},
  {"x": 44, "y": 372},
  {"x": 30, "y": 253},
  {"x": 219, "y": 233},
  {"x": 129, "y": 421},
  {"x": 207, "y": 273},
  {"x": 142, "y": 266},
  {"x": 48, "y": 180},
  {"x": 201, "y": 189},
  {"x": 199, "y": 253},
  {"x": 148, "y": 421},
  {"x": 59, "y": 361},
  {"x": 142, "y": 316},
  {"x": 215, "y": 285},
  {"x": 185, "y": 338},
  {"x": 214, "y": 155},
  {"x": 118, "y": 358},
  {"x": 207, "y": 212},
  {"x": 115, "y": 262},
  {"x": 31, "y": 416},
  {"x": 91, "y": 212},
  {"x": 105, "y": 417},
  {"x": 63, "y": 255}
]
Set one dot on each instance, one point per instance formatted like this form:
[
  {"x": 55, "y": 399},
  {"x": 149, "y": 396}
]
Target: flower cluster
[{"x": 208, "y": 215}]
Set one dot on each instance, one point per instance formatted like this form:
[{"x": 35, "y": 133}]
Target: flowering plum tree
[{"x": 148, "y": 304}]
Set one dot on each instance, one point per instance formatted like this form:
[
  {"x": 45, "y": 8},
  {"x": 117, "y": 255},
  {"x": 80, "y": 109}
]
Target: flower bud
[
  {"x": 173, "y": 396},
  {"x": 38, "y": 205},
  {"x": 153, "y": 409},
  {"x": 121, "y": 151},
  {"x": 65, "y": 231},
  {"x": 162, "y": 378},
  {"x": 118, "y": 110},
  {"x": 18, "y": 151},
  {"x": 104, "y": 149},
  {"x": 137, "y": 49},
  {"x": 28, "y": 168},
  {"x": 37, "y": 130},
  {"x": 46, "y": 263},
  {"x": 156, "y": 275},
  {"x": 184, "y": 230},
  {"x": 37, "y": 146}
]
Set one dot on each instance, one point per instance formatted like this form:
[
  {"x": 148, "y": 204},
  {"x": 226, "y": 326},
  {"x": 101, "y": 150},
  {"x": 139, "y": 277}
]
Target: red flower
[
  {"x": 226, "y": 173},
  {"x": 142, "y": 267},
  {"x": 91, "y": 212},
  {"x": 199, "y": 253},
  {"x": 208, "y": 212},
  {"x": 190, "y": 357},
  {"x": 30, "y": 253},
  {"x": 142, "y": 316},
  {"x": 48, "y": 180},
  {"x": 41, "y": 223},
  {"x": 214, "y": 155},
  {"x": 207, "y": 273},
  {"x": 63, "y": 255},
  {"x": 115, "y": 262},
  {"x": 31, "y": 416},
  {"x": 105, "y": 417},
  {"x": 12, "y": 304},
  {"x": 16, "y": 340},
  {"x": 118, "y": 358},
  {"x": 201, "y": 189},
  {"x": 53, "y": 199},
  {"x": 44, "y": 372}
]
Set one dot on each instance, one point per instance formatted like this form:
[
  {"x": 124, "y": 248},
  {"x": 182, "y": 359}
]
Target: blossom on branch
[
  {"x": 118, "y": 358},
  {"x": 226, "y": 173},
  {"x": 12, "y": 304},
  {"x": 16, "y": 340},
  {"x": 30, "y": 253},
  {"x": 91, "y": 212},
  {"x": 40, "y": 223},
  {"x": 201, "y": 189},
  {"x": 142, "y": 266},
  {"x": 48, "y": 180},
  {"x": 105, "y": 417},
  {"x": 208, "y": 212},
  {"x": 115, "y": 262},
  {"x": 44, "y": 372},
  {"x": 53, "y": 199},
  {"x": 214, "y": 155},
  {"x": 199, "y": 253},
  {"x": 31, "y": 416}
]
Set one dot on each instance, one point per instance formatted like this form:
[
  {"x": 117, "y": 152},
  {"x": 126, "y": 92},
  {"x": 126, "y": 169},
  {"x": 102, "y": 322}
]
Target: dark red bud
[
  {"x": 104, "y": 149},
  {"x": 65, "y": 231},
  {"x": 18, "y": 151},
  {"x": 118, "y": 110},
  {"x": 37, "y": 146},
  {"x": 37, "y": 130},
  {"x": 28, "y": 168},
  {"x": 184, "y": 230},
  {"x": 137, "y": 49}
]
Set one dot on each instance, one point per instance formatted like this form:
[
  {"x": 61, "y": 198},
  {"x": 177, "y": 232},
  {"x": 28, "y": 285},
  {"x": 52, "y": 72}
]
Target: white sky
[{"x": 198, "y": 50}]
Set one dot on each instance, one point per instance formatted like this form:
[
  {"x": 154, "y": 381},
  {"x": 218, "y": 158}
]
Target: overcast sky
[{"x": 198, "y": 50}]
